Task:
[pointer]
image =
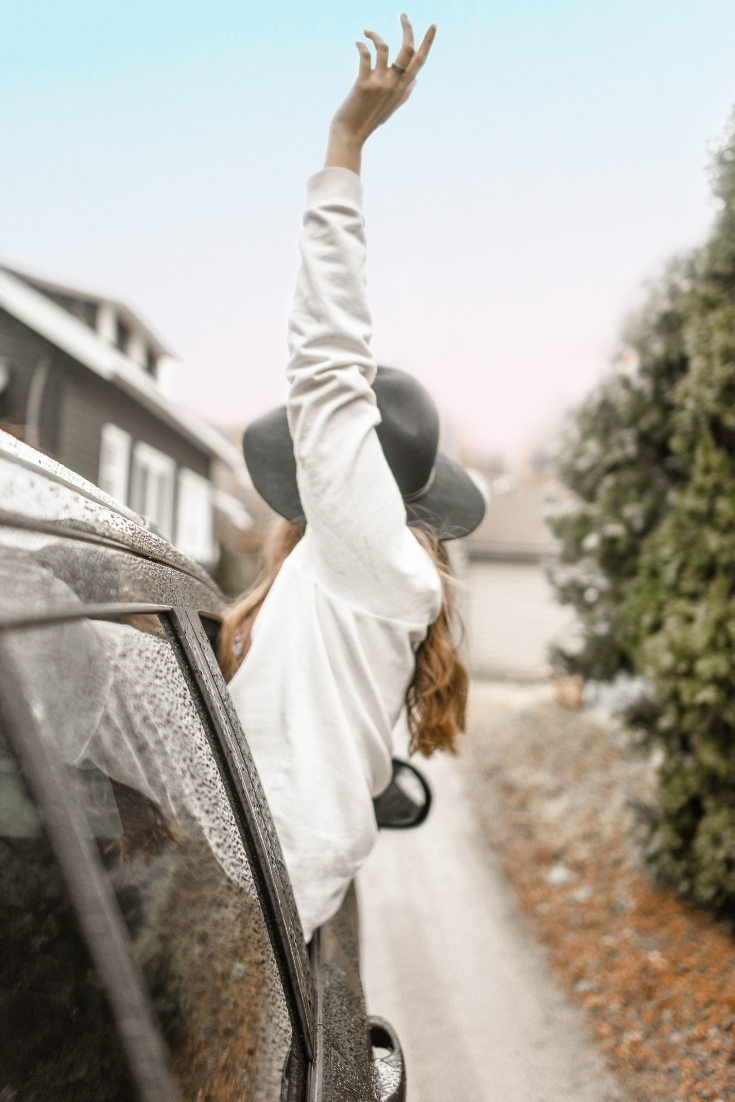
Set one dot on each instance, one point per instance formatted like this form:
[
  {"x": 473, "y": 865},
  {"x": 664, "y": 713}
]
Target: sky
[{"x": 553, "y": 156}]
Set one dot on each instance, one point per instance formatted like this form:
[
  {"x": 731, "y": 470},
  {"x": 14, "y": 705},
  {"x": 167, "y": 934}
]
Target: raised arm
[{"x": 356, "y": 518}]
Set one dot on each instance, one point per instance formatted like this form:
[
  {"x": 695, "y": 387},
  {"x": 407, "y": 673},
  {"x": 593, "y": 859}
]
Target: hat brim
[
  {"x": 451, "y": 508},
  {"x": 268, "y": 450}
]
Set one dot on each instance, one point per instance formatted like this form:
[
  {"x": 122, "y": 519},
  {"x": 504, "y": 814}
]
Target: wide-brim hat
[{"x": 437, "y": 492}]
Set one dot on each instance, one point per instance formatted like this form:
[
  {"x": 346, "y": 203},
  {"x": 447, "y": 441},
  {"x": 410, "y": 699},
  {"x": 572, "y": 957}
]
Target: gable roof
[
  {"x": 45, "y": 317},
  {"x": 514, "y": 525},
  {"x": 131, "y": 318}
]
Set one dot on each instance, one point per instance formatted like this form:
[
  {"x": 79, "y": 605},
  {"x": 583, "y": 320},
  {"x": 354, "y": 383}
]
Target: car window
[
  {"x": 112, "y": 701},
  {"x": 58, "y": 1040}
]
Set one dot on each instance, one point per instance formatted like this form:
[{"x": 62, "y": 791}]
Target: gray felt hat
[{"x": 437, "y": 492}]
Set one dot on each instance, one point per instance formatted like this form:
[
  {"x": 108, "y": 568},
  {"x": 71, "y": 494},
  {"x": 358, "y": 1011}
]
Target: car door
[
  {"x": 141, "y": 875},
  {"x": 91, "y": 606}
]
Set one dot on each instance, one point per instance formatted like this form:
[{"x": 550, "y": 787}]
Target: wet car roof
[
  {"x": 38, "y": 493},
  {"x": 39, "y": 496}
]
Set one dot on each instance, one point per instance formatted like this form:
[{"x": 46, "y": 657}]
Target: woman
[{"x": 351, "y": 620}]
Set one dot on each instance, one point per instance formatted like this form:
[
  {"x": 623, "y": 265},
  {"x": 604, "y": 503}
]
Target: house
[
  {"x": 512, "y": 616},
  {"x": 80, "y": 379}
]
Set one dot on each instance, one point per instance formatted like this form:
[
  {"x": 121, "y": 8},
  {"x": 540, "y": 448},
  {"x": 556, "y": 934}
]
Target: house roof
[
  {"x": 31, "y": 306},
  {"x": 129, "y": 317},
  {"x": 514, "y": 526}
]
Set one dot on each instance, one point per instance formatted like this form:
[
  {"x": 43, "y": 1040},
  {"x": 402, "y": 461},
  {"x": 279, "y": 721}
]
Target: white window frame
[
  {"x": 195, "y": 517},
  {"x": 152, "y": 487},
  {"x": 114, "y": 466}
]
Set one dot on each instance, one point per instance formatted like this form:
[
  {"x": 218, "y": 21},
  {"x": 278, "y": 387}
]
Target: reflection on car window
[
  {"x": 57, "y": 1037},
  {"x": 114, "y": 702},
  {"x": 202, "y": 946}
]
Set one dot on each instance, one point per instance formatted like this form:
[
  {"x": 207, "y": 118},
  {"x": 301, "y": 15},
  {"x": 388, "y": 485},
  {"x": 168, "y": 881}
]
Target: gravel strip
[{"x": 557, "y": 793}]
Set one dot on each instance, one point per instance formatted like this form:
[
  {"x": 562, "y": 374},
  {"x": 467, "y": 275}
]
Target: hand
[{"x": 376, "y": 94}]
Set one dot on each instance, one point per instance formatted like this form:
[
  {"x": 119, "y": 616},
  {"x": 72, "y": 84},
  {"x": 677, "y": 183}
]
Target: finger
[
  {"x": 366, "y": 61},
  {"x": 419, "y": 58},
  {"x": 406, "y": 51},
  {"x": 381, "y": 49}
]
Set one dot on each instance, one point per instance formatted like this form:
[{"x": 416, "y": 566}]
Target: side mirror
[
  {"x": 389, "y": 1070},
  {"x": 406, "y": 801}
]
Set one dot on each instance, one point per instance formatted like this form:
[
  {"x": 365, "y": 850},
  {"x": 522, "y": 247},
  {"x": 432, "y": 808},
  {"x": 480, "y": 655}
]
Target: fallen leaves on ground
[{"x": 557, "y": 794}]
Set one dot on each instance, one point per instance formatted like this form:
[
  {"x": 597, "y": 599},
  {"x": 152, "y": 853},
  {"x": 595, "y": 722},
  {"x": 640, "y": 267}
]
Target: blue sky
[{"x": 552, "y": 157}]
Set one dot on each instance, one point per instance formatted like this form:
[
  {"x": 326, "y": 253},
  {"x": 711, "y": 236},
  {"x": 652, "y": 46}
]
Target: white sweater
[{"x": 333, "y": 647}]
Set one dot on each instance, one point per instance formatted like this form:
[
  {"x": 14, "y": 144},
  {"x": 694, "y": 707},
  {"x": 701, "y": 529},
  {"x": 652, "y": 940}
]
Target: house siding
[
  {"x": 88, "y": 402},
  {"x": 23, "y": 350},
  {"x": 75, "y": 405}
]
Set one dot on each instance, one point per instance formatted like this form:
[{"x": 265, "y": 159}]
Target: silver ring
[{"x": 398, "y": 69}]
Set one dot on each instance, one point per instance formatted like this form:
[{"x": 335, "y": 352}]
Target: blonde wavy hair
[{"x": 437, "y": 696}]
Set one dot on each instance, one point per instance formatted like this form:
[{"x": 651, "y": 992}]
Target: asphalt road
[{"x": 447, "y": 959}]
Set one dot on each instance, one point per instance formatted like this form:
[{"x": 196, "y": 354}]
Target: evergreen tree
[
  {"x": 617, "y": 458},
  {"x": 677, "y": 621}
]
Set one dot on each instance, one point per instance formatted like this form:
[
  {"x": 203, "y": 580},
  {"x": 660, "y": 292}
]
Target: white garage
[{"x": 511, "y": 612}]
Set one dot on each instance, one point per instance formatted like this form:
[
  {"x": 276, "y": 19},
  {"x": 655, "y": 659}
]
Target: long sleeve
[
  {"x": 333, "y": 647},
  {"x": 359, "y": 543}
]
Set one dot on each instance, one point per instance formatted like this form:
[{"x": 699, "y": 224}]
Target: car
[{"x": 150, "y": 946}]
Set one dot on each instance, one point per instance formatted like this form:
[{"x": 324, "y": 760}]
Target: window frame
[{"x": 92, "y": 897}]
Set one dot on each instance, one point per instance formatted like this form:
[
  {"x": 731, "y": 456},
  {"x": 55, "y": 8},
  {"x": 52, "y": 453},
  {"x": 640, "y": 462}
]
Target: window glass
[
  {"x": 113, "y": 700},
  {"x": 122, "y": 335},
  {"x": 152, "y": 487},
  {"x": 58, "y": 1042},
  {"x": 114, "y": 462},
  {"x": 195, "y": 517},
  {"x": 151, "y": 361}
]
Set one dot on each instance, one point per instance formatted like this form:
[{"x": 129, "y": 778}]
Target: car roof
[{"x": 39, "y": 494}]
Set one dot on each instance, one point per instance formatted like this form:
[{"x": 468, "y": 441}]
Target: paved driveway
[{"x": 446, "y": 958}]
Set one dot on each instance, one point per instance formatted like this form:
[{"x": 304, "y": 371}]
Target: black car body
[{"x": 150, "y": 947}]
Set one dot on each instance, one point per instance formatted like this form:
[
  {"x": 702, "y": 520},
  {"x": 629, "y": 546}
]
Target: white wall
[{"x": 511, "y": 617}]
